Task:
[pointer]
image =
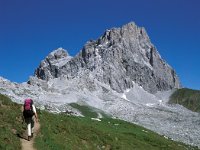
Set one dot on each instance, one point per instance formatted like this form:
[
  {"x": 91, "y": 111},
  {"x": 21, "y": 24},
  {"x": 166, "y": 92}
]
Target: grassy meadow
[
  {"x": 186, "y": 97},
  {"x": 65, "y": 132}
]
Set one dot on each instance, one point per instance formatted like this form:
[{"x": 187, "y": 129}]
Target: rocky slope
[{"x": 117, "y": 58}]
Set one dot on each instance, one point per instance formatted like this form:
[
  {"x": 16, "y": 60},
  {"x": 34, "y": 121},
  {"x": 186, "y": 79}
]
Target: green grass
[
  {"x": 10, "y": 124},
  {"x": 62, "y": 132},
  {"x": 186, "y": 97},
  {"x": 88, "y": 110}
]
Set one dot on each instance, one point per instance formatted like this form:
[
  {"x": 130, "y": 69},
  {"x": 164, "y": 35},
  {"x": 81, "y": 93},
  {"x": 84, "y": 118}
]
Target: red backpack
[
  {"x": 28, "y": 104},
  {"x": 28, "y": 110}
]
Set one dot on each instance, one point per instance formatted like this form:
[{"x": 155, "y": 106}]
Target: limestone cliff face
[{"x": 118, "y": 58}]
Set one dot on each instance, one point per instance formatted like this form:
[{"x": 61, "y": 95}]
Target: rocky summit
[
  {"x": 118, "y": 58},
  {"x": 49, "y": 68}
]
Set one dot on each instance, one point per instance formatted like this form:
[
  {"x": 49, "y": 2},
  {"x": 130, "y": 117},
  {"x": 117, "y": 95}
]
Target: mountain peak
[
  {"x": 49, "y": 67},
  {"x": 130, "y": 25},
  {"x": 118, "y": 58},
  {"x": 58, "y": 53}
]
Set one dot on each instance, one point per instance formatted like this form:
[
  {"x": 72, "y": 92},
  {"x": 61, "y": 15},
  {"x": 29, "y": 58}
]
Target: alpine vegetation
[
  {"x": 61, "y": 131},
  {"x": 120, "y": 74}
]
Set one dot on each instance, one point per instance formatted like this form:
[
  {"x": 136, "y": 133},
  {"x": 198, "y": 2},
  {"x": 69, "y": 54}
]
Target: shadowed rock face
[{"x": 119, "y": 57}]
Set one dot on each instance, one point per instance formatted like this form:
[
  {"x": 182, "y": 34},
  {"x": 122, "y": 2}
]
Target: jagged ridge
[{"x": 119, "y": 57}]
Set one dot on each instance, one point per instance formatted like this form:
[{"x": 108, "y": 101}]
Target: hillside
[
  {"x": 61, "y": 131},
  {"x": 187, "y": 97},
  {"x": 10, "y": 124}
]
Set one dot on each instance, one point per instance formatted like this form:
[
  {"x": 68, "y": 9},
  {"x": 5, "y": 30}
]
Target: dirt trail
[{"x": 28, "y": 145}]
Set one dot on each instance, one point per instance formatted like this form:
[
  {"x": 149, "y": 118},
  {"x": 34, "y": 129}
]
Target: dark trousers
[{"x": 30, "y": 125}]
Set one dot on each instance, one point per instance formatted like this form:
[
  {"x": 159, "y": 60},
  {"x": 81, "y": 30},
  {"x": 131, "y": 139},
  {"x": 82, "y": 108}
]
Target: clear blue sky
[{"x": 30, "y": 29}]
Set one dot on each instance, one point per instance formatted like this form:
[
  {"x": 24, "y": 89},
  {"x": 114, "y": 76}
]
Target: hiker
[{"x": 29, "y": 111}]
